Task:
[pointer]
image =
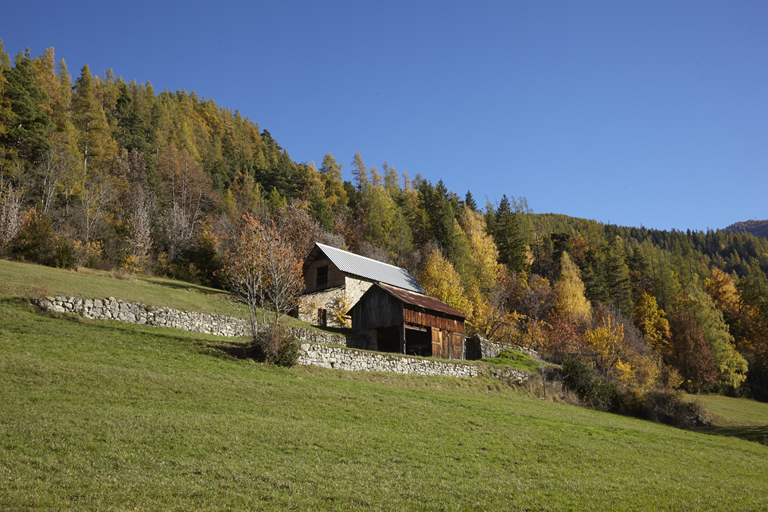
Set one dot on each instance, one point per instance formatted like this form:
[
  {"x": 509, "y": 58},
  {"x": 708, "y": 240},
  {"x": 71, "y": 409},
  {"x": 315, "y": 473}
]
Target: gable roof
[
  {"x": 367, "y": 268},
  {"x": 422, "y": 301}
]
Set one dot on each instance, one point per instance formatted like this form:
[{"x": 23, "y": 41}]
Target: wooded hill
[
  {"x": 756, "y": 227},
  {"x": 102, "y": 172}
]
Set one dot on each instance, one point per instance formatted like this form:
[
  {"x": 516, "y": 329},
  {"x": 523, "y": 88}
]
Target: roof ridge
[{"x": 323, "y": 246}]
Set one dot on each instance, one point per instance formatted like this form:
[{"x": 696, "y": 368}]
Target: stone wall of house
[
  {"x": 356, "y": 287},
  {"x": 316, "y": 346},
  {"x": 325, "y": 299}
]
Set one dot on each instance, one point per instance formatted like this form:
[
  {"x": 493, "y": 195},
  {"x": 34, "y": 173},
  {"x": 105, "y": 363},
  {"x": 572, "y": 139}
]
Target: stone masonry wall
[
  {"x": 481, "y": 348},
  {"x": 358, "y": 360},
  {"x": 315, "y": 349}
]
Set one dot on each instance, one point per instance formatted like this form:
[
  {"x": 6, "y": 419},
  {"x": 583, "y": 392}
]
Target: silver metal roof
[{"x": 367, "y": 268}]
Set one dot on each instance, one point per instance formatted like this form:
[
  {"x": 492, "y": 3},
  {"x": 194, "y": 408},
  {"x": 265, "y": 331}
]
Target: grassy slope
[
  {"x": 25, "y": 280},
  {"x": 106, "y": 415}
]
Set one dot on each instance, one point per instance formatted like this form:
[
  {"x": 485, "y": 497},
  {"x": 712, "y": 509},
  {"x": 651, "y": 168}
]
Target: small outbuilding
[{"x": 393, "y": 319}]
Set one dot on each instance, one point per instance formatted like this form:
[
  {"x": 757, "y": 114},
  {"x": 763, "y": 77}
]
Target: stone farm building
[
  {"x": 389, "y": 309},
  {"x": 334, "y": 280}
]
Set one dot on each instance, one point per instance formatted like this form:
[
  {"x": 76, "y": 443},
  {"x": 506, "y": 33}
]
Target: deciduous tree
[
  {"x": 265, "y": 273},
  {"x": 652, "y": 322},
  {"x": 571, "y": 302}
]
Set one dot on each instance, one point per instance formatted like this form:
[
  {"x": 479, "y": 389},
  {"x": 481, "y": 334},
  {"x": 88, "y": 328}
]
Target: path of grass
[{"x": 99, "y": 415}]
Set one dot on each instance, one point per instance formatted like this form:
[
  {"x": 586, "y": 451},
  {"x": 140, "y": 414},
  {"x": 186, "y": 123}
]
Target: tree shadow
[
  {"x": 190, "y": 287},
  {"x": 756, "y": 434}
]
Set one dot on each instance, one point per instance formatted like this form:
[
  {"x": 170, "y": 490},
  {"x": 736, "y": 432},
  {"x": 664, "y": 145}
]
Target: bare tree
[
  {"x": 10, "y": 200},
  {"x": 186, "y": 187},
  {"x": 10, "y": 203},
  {"x": 298, "y": 229},
  {"x": 265, "y": 273}
]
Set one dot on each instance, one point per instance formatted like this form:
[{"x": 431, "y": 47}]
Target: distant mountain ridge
[{"x": 756, "y": 227}]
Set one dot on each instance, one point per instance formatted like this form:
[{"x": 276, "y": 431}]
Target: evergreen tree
[
  {"x": 470, "y": 201},
  {"x": 360, "y": 173},
  {"x": 593, "y": 276},
  {"x": 617, "y": 279},
  {"x": 28, "y": 124},
  {"x": 94, "y": 135},
  {"x": 512, "y": 250}
]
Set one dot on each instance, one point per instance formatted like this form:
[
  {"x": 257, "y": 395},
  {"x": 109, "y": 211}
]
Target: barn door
[
  {"x": 457, "y": 345},
  {"x": 437, "y": 342}
]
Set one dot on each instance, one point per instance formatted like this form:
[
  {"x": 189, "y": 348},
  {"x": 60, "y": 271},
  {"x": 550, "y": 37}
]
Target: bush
[
  {"x": 664, "y": 406},
  {"x": 275, "y": 346},
  {"x": 37, "y": 242},
  {"x": 579, "y": 377}
]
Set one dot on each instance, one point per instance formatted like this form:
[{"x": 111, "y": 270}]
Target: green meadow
[{"x": 102, "y": 415}]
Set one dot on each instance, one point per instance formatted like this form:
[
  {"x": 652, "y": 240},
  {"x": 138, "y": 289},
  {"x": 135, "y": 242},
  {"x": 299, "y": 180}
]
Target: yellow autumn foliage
[{"x": 440, "y": 280}]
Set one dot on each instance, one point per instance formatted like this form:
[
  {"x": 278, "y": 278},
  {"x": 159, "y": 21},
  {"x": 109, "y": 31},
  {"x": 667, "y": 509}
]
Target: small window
[
  {"x": 322, "y": 276},
  {"x": 322, "y": 317}
]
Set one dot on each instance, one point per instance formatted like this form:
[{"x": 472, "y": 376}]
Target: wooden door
[
  {"x": 437, "y": 342},
  {"x": 457, "y": 345}
]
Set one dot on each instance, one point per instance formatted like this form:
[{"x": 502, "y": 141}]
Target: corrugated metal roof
[
  {"x": 367, "y": 268},
  {"x": 423, "y": 301}
]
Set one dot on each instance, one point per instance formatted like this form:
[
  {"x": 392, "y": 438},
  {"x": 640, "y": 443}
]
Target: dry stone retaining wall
[
  {"x": 358, "y": 360},
  {"x": 481, "y": 348},
  {"x": 314, "y": 347}
]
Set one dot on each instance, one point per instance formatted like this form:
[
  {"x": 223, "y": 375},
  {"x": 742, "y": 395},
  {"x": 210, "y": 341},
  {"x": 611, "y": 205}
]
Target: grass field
[
  {"x": 100, "y": 415},
  {"x": 25, "y": 280}
]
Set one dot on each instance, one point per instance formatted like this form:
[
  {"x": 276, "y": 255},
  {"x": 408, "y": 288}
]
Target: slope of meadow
[{"x": 111, "y": 416}]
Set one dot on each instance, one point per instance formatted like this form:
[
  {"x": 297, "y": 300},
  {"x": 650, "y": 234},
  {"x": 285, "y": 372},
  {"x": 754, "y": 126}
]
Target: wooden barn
[{"x": 396, "y": 320}]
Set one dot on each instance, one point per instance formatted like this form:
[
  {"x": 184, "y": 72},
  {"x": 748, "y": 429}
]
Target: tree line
[{"x": 102, "y": 172}]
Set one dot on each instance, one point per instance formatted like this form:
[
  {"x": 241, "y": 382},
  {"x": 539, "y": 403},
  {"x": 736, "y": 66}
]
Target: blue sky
[{"x": 634, "y": 113}]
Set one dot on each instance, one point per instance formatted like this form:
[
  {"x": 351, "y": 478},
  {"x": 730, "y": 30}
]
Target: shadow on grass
[
  {"x": 756, "y": 434},
  {"x": 190, "y": 287}
]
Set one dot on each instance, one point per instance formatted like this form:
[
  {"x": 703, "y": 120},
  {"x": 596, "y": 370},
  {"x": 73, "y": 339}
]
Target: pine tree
[
  {"x": 512, "y": 250},
  {"x": 28, "y": 123},
  {"x": 617, "y": 279},
  {"x": 333, "y": 183},
  {"x": 470, "y": 201},
  {"x": 94, "y": 135}
]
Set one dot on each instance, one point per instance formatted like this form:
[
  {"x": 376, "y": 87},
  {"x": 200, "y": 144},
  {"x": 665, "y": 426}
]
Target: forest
[{"x": 99, "y": 172}]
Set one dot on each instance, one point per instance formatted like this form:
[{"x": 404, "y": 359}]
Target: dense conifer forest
[{"x": 97, "y": 171}]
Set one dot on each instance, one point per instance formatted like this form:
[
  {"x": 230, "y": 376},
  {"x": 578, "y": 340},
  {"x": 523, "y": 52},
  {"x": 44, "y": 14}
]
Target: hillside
[
  {"x": 99, "y": 172},
  {"x": 107, "y": 415},
  {"x": 755, "y": 227}
]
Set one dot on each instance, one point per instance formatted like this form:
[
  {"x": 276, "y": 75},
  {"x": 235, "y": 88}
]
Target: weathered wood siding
[
  {"x": 376, "y": 309},
  {"x": 446, "y": 344},
  {"x": 335, "y": 276},
  {"x": 416, "y": 316}
]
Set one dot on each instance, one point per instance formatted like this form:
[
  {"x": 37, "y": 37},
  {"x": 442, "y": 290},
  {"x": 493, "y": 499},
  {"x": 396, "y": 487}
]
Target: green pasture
[{"x": 104, "y": 415}]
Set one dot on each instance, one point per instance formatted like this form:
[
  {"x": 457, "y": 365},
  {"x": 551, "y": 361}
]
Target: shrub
[
  {"x": 579, "y": 377},
  {"x": 37, "y": 242},
  {"x": 664, "y": 406},
  {"x": 277, "y": 346}
]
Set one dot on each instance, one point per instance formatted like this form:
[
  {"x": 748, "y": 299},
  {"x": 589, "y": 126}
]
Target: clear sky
[{"x": 649, "y": 113}]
